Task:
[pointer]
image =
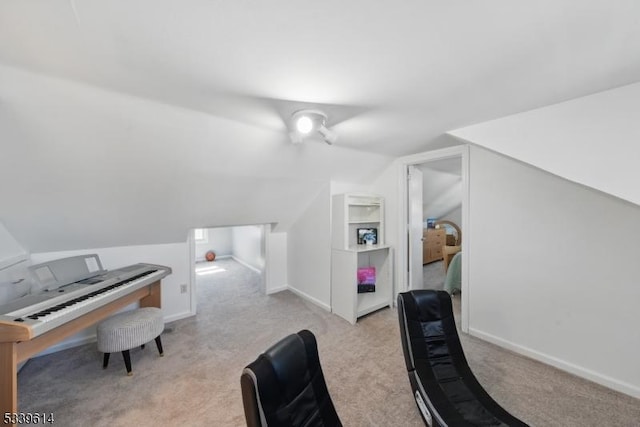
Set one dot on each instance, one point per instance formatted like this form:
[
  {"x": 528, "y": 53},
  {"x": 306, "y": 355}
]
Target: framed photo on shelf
[{"x": 367, "y": 236}]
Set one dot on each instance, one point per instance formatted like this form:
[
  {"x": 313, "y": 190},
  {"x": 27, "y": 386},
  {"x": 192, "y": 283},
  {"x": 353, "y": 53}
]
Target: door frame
[
  {"x": 461, "y": 151},
  {"x": 414, "y": 271}
]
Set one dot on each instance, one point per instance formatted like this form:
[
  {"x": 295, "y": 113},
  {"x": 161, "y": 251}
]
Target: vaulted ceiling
[
  {"x": 122, "y": 118},
  {"x": 441, "y": 187}
]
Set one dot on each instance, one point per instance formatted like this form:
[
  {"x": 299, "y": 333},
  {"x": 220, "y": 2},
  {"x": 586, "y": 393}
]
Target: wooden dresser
[{"x": 433, "y": 241}]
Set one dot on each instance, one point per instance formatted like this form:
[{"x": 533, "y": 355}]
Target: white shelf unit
[
  {"x": 350, "y": 212},
  {"x": 353, "y": 211}
]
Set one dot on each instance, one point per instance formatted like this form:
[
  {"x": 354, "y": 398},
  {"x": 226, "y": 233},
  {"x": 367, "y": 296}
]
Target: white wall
[
  {"x": 591, "y": 140},
  {"x": 454, "y": 216},
  {"x": 175, "y": 255},
  {"x": 340, "y": 187},
  {"x": 388, "y": 186},
  {"x": 219, "y": 240},
  {"x": 276, "y": 269},
  {"x": 14, "y": 262},
  {"x": 554, "y": 270},
  {"x": 10, "y": 250},
  {"x": 309, "y": 251},
  {"x": 248, "y": 247}
]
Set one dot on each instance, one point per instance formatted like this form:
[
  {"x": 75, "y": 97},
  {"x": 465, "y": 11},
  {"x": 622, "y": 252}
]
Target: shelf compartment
[
  {"x": 370, "y": 302},
  {"x": 346, "y": 302},
  {"x": 364, "y": 213}
]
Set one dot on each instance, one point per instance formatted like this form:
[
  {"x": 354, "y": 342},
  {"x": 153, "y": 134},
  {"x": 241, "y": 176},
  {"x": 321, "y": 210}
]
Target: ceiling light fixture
[{"x": 305, "y": 123}]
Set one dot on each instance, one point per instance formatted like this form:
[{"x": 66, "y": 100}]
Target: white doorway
[
  {"x": 415, "y": 171},
  {"x": 415, "y": 205},
  {"x": 219, "y": 251},
  {"x": 441, "y": 216}
]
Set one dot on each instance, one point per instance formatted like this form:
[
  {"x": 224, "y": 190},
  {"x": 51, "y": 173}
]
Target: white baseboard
[
  {"x": 203, "y": 259},
  {"x": 278, "y": 289},
  {"x": 178, "y": 316},
  {"x": 249, "y": 266},
  {"x": 579, "y": 371},
  {"x": 309, "y": 298},
  {"x": 70, "y": 343}
]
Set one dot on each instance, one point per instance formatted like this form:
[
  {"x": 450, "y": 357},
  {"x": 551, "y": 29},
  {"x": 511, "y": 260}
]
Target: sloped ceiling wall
[
  {"x": 441, "y": 187},
  {"x": 10, "y": 250},
  {"x": 83, "y": 167},
  {"x": 591, "y": 140}
]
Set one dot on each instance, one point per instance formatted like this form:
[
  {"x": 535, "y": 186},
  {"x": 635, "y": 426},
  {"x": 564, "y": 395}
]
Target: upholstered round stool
[{"x": 130, "y": 329}]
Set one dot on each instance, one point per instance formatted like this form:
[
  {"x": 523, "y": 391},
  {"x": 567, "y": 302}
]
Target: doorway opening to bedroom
[
  {"x": 441, "y": 218},
  {"x": 436, "y": 208},
  {"x": 227, "y": 262}
]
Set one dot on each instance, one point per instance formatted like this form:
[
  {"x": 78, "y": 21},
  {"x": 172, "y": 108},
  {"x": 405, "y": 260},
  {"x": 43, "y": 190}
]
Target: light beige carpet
[{"x": 197, "y": 383}]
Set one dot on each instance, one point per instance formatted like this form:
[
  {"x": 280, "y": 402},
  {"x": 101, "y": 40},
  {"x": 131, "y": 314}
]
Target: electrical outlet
[{"x": 183, "y": 288}]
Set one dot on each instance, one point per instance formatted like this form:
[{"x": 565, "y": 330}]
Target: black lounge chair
[
  {"x": 285, "y": 387},
  {"x": 446, "y": 391}
]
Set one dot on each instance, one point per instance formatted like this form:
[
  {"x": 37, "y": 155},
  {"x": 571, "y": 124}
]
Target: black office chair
[
  {"x": 446, "y": 391},
  {"x": 285, "y": 387}
]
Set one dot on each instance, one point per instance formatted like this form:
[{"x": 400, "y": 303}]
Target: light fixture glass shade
[{"x": 304, "y": 124}]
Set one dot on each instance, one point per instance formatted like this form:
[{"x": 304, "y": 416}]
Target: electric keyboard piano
[{"x": 76, "y": 293}]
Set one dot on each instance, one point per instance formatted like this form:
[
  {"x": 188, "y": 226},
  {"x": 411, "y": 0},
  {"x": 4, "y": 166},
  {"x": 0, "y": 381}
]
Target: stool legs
[
  {"x": 127, "y": 356},
  {"x": 159, "y": 345},
  {"x": 127, "y": 361}
]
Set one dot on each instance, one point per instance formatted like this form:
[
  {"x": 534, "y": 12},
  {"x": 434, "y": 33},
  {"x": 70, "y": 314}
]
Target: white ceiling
[
  {"x": 127, "y": 104},
  {"x": 408, "y": 71}
]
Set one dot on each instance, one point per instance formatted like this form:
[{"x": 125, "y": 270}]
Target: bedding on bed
[{"x": 453, "y": 279}]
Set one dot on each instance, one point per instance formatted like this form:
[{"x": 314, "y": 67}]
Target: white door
[{"x": 415, "y": 227}]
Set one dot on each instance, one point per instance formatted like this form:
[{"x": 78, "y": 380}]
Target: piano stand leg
[
  {"x": 159, "y": 345},
  {"x": 105, "y": 360},
  {"x": 127, "y": 361},
  {"x": 9, "y": 378}
]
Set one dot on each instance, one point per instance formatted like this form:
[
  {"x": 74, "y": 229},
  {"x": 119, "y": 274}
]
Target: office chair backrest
[{"x": 285, "y": 386}]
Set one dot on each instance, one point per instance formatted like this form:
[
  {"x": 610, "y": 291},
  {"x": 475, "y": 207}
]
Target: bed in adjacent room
[{"x": 453, "y": 279}]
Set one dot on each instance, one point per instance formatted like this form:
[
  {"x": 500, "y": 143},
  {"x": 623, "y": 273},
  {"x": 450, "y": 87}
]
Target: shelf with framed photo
[{"x": 357, "y": 220}]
